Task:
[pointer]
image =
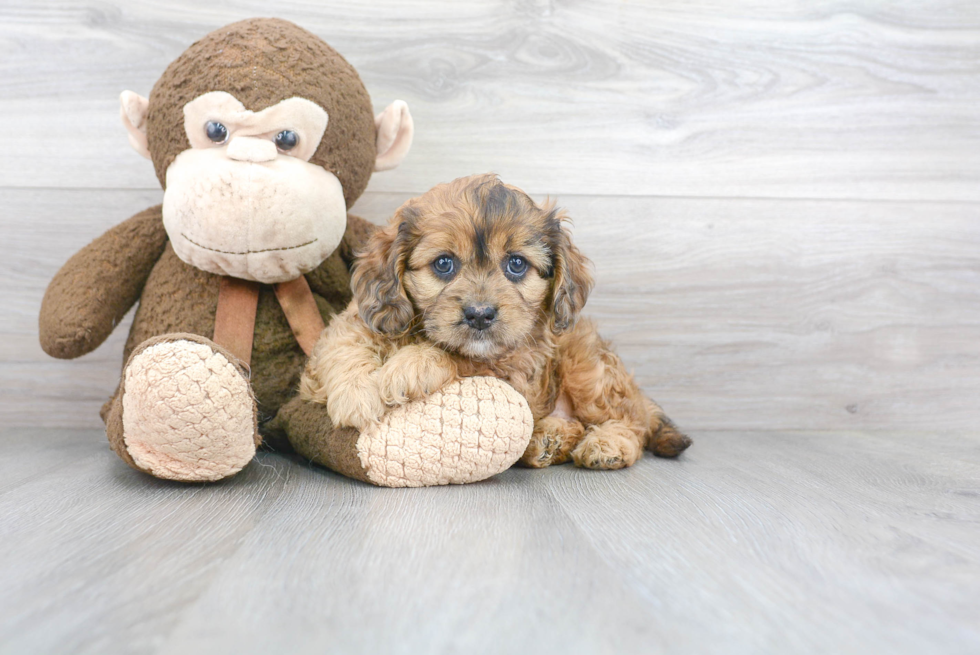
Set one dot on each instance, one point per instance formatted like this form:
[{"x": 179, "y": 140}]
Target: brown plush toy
[{"x": 262, "y": 137}]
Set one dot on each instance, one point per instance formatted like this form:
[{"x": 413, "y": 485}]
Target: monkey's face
[
  {"x": 244, "y": 200},
  {"x": 257, "y": 183}
]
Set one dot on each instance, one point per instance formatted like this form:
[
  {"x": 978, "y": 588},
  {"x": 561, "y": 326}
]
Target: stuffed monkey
[{"x": 262, "y": 137}]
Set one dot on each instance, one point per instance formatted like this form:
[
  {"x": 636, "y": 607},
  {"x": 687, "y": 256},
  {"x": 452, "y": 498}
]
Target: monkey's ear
[
  {"x": 133, "y": 109},
  {"x": 377, "y": 281},
  {"x": 395, "y": 129}
]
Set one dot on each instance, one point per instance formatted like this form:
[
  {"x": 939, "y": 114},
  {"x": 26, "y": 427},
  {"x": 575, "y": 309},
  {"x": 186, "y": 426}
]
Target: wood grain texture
[
  {"x": 785, "y": 525},
  {"x": 747, "y": 314},
  {"x": 750, "y": 543},
  {"x": 835, "y": 99}
]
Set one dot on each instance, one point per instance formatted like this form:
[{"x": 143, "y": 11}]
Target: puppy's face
[
  {"x": 480, "y": 278},
  {"x": 476, "y": 265}
]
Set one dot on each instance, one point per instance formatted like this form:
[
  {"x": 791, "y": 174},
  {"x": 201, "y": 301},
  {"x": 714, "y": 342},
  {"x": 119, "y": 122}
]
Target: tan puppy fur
[{"x": 473, "y": 278}]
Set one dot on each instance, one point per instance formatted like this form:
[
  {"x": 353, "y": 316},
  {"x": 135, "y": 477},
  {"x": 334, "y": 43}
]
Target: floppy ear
[
  {"x": 377, "y": 281},
  {"x": 571, "y": 281}
]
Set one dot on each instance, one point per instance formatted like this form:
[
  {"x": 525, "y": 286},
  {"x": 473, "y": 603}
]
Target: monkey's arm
[
  {"x": 96, "y": 287},
  {"x": 331, "y": 279}
]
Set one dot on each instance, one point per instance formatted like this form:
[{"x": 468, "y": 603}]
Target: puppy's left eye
[
  {"x": 516, "y": 266},
  {"x": 444, "y": 266}
]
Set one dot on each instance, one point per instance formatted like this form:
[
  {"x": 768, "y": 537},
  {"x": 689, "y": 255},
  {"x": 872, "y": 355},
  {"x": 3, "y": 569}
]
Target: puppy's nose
[{"x": 480, "y": 317}]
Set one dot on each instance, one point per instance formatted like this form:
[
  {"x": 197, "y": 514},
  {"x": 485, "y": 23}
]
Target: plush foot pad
[
  {"x": 187, "y": 412},
  {"x": 469, "y": 431}
]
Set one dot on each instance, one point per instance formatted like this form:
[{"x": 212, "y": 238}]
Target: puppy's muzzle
[{"x": 480, "y": 318}]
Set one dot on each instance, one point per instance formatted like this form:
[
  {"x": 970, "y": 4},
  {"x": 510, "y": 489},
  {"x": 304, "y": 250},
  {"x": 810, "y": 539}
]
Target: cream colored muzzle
[{"x": 243, "y": 211}]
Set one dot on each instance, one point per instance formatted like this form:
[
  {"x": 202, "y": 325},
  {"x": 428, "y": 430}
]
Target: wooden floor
[
  {"x": 782, "y": 201},
  {"x": 752, "y": 543}
]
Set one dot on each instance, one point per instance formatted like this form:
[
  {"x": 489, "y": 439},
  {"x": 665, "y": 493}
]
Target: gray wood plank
[
  {"x": 32, "y": 453},
  {"x": 823, "y": 542},
  {"x": 476, "y": 569},
  {"x": 97, "y": 557},
  {"x": 750, "y": 543},
  {"x": 750, "y": 314},
  {"x": 815, "y": 100}
]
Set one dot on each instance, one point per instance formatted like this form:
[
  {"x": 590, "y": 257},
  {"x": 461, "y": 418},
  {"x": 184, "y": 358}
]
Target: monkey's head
[{"x": 262, "y": 136}]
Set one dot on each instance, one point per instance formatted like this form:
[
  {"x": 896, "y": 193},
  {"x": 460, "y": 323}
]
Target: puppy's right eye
[{"x": 444, "y": 266}]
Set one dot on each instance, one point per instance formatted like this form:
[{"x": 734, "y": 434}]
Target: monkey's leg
[
  {"x": 184, "y": 410},
  {"x": 310, "y": 432},
  {"x": 468, "y": 431}
]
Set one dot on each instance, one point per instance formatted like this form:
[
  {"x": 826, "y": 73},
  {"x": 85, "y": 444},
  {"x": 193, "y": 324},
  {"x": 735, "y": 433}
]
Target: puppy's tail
[{"x": 665, "y": 439}]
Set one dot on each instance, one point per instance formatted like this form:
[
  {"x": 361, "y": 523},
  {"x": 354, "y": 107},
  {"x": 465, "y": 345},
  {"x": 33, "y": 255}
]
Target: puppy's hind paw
[
  {"x": 610, "y": 445},
  {"x": 552, "y": 442}
]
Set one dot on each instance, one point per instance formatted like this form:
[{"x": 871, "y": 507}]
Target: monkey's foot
[
  {"x": 468, "y": 431},
  {"x": 184, "y": 411}
]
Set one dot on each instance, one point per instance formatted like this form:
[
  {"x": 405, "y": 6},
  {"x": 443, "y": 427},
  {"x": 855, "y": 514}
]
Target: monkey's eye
[
  {"x": 516, "y": 267},
  {"x": 287, "y": 140},
  {"x": 216, "y": 131},
  {"x": 444, "y": 266}
]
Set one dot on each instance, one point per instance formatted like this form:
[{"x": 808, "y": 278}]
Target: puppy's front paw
[
  {"x": 610, "y": 445},
  {"x": 395, "y": 384},
  {"x": 552, "y": 442},
  {"x": 356, "y": 406},
  {"x": 412, "y": 373}
]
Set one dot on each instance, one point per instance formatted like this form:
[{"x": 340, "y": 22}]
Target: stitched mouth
[{"x": 246, "y": 252}]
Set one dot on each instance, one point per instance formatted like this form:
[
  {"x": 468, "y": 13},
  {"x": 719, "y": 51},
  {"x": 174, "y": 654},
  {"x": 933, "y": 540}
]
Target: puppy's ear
[
  {"x": 377, "y": 281},
  {"x": 572, "y": 281}
]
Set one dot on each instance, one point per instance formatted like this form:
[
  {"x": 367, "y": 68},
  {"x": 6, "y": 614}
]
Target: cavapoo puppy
[{"x": 473, "y": 278}]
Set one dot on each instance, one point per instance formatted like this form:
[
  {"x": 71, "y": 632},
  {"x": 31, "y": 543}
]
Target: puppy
[{"x": 473, "y": 278}]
